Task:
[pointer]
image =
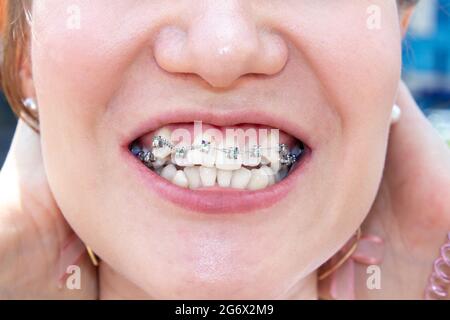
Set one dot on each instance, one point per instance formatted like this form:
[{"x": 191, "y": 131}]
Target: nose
[{"x": 220, "y": 44}]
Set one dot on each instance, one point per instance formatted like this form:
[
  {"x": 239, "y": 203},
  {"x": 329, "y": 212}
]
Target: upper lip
[{"x": 222, "y": 118}]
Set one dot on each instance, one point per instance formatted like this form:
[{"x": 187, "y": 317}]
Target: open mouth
[{"x": 199, "y": 156}]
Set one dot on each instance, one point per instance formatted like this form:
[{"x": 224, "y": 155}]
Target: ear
[
  {"x": 26, "y": 74},
  {"x": 405, "y": 18}
]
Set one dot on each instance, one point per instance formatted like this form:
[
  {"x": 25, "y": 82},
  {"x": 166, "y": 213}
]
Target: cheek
[
  {"x": 359, "y": 70},
  {"x": 76, "y": 72}
]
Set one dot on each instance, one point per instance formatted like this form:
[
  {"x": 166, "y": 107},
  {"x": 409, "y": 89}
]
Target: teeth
[
  {"x": 208, "y": 176},
  {"x": 180, "y": 157},
  {"x": 269, "y": 148},
  {"x": 180, "y": 179},
  {"x": 206, "y": 156},
  {"x": 169, "y": 172},
  {"x": 224, "y": 178},
  {"x": 193, "y": 176},
  {"x": 230, "y": 160},
  {"x": 252, "y": 156},
  {"x": 258, "y": 180},
  {"x": 269, "y": 173},
  {"x": 163, "y": 151},
  {"x": 205, "y": 163},
  {"x": 160, "y": 162},
  {"x": 240, "y": 178},
  {"x": 275, "y": 166}
]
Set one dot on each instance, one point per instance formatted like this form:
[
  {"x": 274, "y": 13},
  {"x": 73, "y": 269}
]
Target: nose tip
[
  {"x": 220, "y": 50},
  {"x": 222, "y": 62}
]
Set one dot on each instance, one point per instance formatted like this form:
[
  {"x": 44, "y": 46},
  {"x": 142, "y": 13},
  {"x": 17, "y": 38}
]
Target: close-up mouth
[{"x": 217, "y": 169}]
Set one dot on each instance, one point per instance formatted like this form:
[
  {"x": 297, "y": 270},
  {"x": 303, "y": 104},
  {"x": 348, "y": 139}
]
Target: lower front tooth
[
  {"x": 258, "y": 180},
  {"x": 240, "y": 178},
  {"x": 208, "y": 176},
  {"x": 169, "y": 172},
  {"x": 193, "y": 176},
  {"x": 180, "y": 179},
  {"x": 224, "y": 178}
]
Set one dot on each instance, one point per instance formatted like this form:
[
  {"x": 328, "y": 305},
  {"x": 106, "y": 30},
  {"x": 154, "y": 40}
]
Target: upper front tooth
[
  {"x": 258, "y": 180},
  {"x": 165, "y": 150},
  {"x": 228, "y": 157},
  {"x": 205, "y": 157},
  {"x": 240, "y": 178},
  {"x": 208, "y": 176},
  {"x": 193, "y": 176},
  {"x": 180, "y": 179}
]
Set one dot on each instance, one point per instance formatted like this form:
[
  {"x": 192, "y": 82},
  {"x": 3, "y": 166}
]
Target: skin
[{"x": 153, "y": 249}]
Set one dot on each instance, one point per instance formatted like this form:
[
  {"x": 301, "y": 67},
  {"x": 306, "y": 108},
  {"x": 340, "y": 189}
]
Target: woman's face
[{"x": 107, "y": 73}]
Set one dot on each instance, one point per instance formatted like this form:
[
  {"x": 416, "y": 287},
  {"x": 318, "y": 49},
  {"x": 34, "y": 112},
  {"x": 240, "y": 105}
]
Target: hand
[
  {"x": 412, "y": 209},
  {"x": 34, "y": 233}
]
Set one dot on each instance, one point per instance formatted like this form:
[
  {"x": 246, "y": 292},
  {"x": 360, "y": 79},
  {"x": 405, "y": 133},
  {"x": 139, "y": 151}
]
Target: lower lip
[{"x": 216, "y": 200}]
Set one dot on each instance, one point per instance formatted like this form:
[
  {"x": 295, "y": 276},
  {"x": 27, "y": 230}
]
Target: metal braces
[{"x": 287, "y": 158}]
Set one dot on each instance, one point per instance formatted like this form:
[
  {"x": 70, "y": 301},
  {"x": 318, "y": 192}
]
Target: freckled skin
[{"x": 312, "y": 61}]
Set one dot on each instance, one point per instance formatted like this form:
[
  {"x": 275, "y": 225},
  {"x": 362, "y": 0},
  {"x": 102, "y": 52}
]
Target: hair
[{"x": 14, "y": 32}]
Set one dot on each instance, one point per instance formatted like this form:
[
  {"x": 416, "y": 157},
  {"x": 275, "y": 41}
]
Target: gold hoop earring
[
  {"x": 345, "y": 257},
  {"x": 92, "y": 256}
]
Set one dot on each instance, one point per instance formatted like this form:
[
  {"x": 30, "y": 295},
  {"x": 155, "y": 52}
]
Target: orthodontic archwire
[{"x": 287, "y": 158}]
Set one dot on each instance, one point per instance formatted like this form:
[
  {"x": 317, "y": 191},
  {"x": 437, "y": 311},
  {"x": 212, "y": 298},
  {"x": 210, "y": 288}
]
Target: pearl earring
[
  {"x": 396, "y": 114},
  {"x": 30, "y": 104}
]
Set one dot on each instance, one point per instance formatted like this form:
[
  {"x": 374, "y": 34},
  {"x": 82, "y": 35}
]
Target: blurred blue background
[
  {"x": 426, "y": 61},
  {"x": 426, "y": 70}
]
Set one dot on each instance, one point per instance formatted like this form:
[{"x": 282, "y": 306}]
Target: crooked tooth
[
  {"x": 208, "y": 176},
  {"x": 258, "y": 180},
  {"x": 240, "y": 178},
  {"x": 180, "y": 179},
  {"x": 168, "y": 172},
  {"x": 223, "y": 159},
  {"x": 270, "y": 174},
  {"x": 224, "y": 178},
  {"x": 164, "y": 151},
  {"x": 193, "y": 176}
]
